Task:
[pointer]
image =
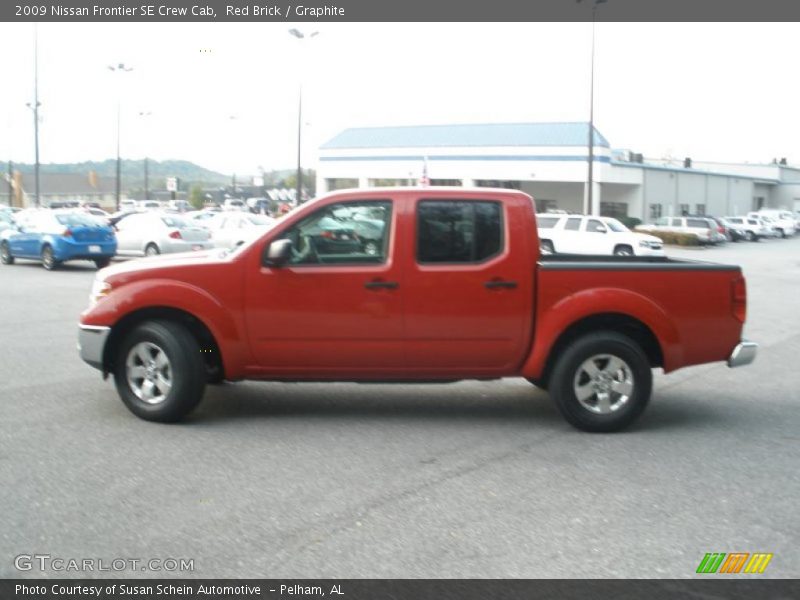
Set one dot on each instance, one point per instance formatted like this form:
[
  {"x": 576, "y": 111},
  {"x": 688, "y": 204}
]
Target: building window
[
  {"x": 758, "y": 202},
  {"x": 543, "y": 206},
  {"x": 700, "y": 209},
  {"x": 447, "y": 182},
  {"x": 496, "y": 183},
  {"x": 614, "y": 209},
  {"x": 341, "y": 184},
  {"x": 458, "y": 232},
  {"x": 391, "y": 182},
  {"x": 684, "y": 209},
  {"x": 655, "y": 211}
]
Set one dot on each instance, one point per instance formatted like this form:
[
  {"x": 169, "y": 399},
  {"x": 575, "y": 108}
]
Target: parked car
[
  {"x": 57, "y": 236},
  {"x": 6, "y": 220},
  {"x": 258, "y": 205},
  {"x": 753, "y": 229},
  {"x": 149, "y": 205},
  {"x": 734, "y": 231},
  {"x": 229, "y": 229},
  {"x": 782, "y": 221},
  {"x": 768, "y": 223},
  {"x": 234, "y": 204},
  {"x": 180, "y": 206},
  {"x": 703, "y": 228},
  {"x": 201, "y": 217},
  {"x": 128, "y": 205},
  {"x": 581, "y": 234},
  {"x": 150, "y": 233},
  {"x": 460, "y": 291}
]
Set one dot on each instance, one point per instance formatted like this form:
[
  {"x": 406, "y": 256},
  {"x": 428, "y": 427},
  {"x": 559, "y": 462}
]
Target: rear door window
[
  {"x": 573, "y": 224},
  {"x": 458, "y": 231},
  {"x": 698, "y": 223}
]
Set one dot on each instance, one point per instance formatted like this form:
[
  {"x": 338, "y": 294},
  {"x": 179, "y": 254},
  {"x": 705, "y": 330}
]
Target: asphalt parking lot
[{"x": 343, "y": 480}]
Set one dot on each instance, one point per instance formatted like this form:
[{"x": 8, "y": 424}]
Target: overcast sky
[{"x": 224, "y": 95}]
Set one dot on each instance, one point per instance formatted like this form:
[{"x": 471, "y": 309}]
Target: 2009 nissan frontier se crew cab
[{"x": 411, "y": 284}]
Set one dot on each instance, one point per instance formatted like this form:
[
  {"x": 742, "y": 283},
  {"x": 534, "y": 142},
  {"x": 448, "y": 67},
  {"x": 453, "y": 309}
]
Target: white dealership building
[{"x": 549, "y": 161}]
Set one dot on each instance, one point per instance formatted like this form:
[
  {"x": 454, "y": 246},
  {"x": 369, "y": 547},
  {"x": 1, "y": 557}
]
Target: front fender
[
  {"x": 552, "y": 321},
  {"x": 168, "y": 293}
]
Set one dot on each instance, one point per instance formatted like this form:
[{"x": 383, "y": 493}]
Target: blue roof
[{"x": 490, "y": 134}]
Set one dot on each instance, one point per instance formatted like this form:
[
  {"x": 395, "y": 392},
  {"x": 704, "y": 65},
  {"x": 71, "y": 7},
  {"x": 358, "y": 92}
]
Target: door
[
  {"x": 468, "y": 288},
  {"x": 595, "y": 238},
  {"x": 570, "y": 238},
  {"x": 129, "y": 234},
  {"x": 334, "y": 311}
]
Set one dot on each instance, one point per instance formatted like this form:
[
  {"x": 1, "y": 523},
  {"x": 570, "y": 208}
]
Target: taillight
[
  {"x": 175, "y": 235},
  {"x": 739, "y": 299},
  {"x": 67, "y": 233},
  {"x": 721, "y": 229},
  {"x": 328, "y": 235}
]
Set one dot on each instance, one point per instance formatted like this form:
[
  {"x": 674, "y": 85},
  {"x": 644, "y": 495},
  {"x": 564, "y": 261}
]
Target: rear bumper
[
  {"x": 743, "y": 354},
  {"x": 92, "y": 343}
]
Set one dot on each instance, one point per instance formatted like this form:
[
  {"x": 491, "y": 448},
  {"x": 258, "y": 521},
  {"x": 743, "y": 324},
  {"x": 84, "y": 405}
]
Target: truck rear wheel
[
  {"x": 601, "y": 382},
  {"x": 159, "y": 371}
]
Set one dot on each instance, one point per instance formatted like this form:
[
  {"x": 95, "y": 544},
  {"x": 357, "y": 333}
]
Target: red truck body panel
[{"x": 440, "y": 321}]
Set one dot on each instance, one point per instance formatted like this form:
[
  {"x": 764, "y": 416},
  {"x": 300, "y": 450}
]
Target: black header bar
[{"x": 397, "y": 10}]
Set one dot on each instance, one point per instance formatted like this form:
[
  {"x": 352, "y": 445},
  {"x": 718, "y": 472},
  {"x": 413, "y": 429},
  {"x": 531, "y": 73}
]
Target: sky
[{"x": 225, "y": 95}]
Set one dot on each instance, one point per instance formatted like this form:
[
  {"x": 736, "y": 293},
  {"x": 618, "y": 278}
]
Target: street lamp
[
  {"x": 144, "y": 114},
  {"x": 35, "y": 108},
  {"x": 588, "y": 198},
  {"x": 119, "y": 68},
  {"x": 300, "y": 35}
]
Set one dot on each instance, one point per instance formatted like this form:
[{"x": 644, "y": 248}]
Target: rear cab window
[{"x": 458, "y": 231}]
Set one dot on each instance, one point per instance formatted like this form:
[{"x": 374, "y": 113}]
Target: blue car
[{"x": 56, "y": 236}]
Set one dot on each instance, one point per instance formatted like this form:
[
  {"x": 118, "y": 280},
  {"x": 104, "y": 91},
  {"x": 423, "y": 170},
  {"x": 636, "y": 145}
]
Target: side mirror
[
  {"x": 277, "y": 253},
  {"x": 600, "y": 229}
]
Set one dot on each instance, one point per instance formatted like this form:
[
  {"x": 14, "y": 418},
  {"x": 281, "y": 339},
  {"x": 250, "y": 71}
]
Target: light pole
[
  {"x": 588, "y": 197},
  {"x": 299, "y": 198},
  {"x": 35, "y": 108},
  {"x": 119, "y": 68},
  {"x": 144, "y": 114}
]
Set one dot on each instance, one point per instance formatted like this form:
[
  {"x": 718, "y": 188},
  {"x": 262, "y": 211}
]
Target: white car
[
  {"x": 782, "y": 220},
  {"x": 229, "y": 229},
  {"x": 149, "y": 205},
  {"x": 150, "y": 233},
  {"x": 580, "y": 234},
  {"x": 234, "y": 204},
  {"x": 752, "y": 228}
]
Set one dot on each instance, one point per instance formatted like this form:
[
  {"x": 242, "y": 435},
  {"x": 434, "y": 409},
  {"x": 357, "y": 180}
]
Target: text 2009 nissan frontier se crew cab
[{"x": 411, "y": 284}]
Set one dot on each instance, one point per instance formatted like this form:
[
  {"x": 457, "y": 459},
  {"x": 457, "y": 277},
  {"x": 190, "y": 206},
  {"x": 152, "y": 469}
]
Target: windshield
[{"x": 616, "y": 226}]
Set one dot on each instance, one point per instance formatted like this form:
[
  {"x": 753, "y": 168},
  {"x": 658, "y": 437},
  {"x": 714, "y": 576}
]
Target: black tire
[
  {"x": 5, "y": 254},
  {"x": 151, "y": 250},
  {"x": 546, "y": 247},
  {"x": 751, "y": 237},
  {"x": 623, "y": 251},
  {"x": 102, "y": 263},
  {"x": 185, "y": 369},
  {"x": 49, "y": 261},
  {"x": 782, "y": 233},
  {"x": 598, "y": 349}
]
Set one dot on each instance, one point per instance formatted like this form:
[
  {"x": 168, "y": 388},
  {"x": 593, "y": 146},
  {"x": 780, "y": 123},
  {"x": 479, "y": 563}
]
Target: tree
[
  {"x": 196, "y": 197},
  {"x": 309, "y": 182}
]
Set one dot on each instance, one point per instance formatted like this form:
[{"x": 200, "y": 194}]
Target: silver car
[{"x": 151, "y": 233}]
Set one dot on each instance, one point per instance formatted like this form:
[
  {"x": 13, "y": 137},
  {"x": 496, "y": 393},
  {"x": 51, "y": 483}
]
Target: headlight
[{"x": 100, "y": 289}]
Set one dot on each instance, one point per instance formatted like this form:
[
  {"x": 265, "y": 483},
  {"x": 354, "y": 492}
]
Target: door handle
[
  {"x": 500, "y": 284},
  {"x": 376, "y": 285}
]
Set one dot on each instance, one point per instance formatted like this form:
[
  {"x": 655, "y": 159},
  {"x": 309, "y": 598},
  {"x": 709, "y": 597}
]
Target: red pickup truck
[{"x": 411, "y": 284}]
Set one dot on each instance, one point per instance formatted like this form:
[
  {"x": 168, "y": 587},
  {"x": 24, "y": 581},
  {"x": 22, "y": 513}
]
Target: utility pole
[
  {"x": 300, "y": 36},
  {"x": 119, "y": 68},
  {"x": 35, "y": 108}
]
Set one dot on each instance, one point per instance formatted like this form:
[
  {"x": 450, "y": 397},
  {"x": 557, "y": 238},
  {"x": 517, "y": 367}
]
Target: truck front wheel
[
  {"x": 159, "y": 371},
  {"x": 601, "y": 382}
]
